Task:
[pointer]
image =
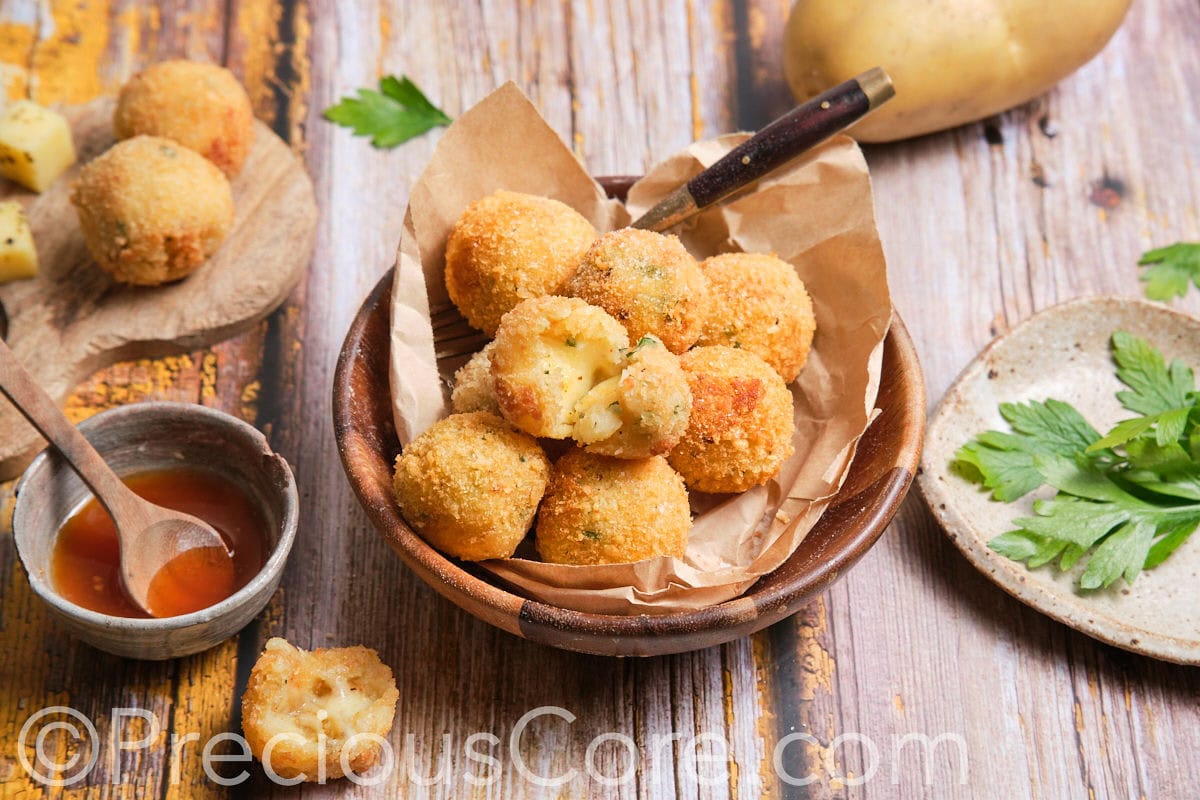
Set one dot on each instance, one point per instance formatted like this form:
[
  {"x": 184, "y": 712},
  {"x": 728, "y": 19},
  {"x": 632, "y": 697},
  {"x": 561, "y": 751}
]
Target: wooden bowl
[{"x": 878, "y": 480}]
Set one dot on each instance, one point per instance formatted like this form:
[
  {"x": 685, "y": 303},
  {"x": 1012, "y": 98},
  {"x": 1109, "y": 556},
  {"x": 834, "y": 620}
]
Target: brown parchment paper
[{"x": 818, "y": 216}]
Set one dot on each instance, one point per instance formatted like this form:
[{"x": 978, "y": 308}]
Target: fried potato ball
[
  {"x": 550, "y": 352},
  {"x": 471, "y": 485},
  {"x": 200, "y": 106},
  {"x": 510, "y": 247},
  {"x": 474, "y": 389},
  {"x": 641, "y": 412},
  {"x": 152, "y": 210},
  {"x": 764, "y": 308},
  {"x": 603, "y": 510},
  {"x": 649, "y": 282},
  {"x": 294, "y": 698},
  {"x": 740, "y": 430}
]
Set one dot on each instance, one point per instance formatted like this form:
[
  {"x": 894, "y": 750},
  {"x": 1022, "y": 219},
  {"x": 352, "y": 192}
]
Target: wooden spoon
[{"x": 150, "y": 536}]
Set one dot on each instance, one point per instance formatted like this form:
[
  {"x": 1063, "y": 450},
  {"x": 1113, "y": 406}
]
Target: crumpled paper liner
[{"x": 818, "y": 216}]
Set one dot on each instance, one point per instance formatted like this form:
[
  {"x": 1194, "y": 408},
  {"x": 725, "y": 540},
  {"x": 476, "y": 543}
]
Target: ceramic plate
[{"x": 1063, "y": 353}]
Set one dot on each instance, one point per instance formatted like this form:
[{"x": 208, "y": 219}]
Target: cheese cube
[
  {"x": 35, "y": 145},
  {"x": 18, "y": 258}
]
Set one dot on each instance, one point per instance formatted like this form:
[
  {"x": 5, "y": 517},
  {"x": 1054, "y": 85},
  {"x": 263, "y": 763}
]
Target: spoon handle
[
  {"x": 802, "y": 128},
  {"x": 43, "y": 413}
]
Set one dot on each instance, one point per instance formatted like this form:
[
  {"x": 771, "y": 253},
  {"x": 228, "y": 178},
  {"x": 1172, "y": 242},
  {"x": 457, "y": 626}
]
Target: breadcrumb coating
[
  {"x": 641, "y": 412},
  {"x": 471, "y": 485},
  {"x": 307, "y": 713},
  {"x": 603, "y": 510},
  {"x": 550, "y": 352},
  {"x": 763, "y": 308},
  {"x": 649, "y": 282},
  {"x": 151, "y": 210},
  {"x": 509, "y": 247},
  {"x": 741, "y": 426},
  {"x": 474, "y": 389},
  {"x": 201, "y": 106}
]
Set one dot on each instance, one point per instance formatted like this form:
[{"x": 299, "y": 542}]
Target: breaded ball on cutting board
[
  {"x": 151, "y": 210},
  {"x": 201, "y": 106}
]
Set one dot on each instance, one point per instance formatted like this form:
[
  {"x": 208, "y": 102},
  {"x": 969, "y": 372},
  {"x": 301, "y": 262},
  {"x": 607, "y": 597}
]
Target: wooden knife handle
[{"x": 801, "y": 128}]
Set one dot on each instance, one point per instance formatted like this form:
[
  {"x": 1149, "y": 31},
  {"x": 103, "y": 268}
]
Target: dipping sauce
[{"x": 85, "y": 564}]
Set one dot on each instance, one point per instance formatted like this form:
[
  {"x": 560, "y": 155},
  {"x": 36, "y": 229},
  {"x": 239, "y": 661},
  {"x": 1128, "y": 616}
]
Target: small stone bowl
[{"x": 150, "y": 436}]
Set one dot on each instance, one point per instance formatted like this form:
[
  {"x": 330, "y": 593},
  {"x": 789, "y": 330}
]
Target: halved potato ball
[
  {"x": 201, "y": 106},
  {"x": 740, "y": 430},
  {"x": 510, "y": 247},
  {"x": 603, "y": 510},
  {"x": 643, "y": 411},
  {"x": 151, "y": 210},
  {"x": 294, "y": 698},
  {"x": 474, "y": 389},
  {"x": 648, "y": 282},
  {"x": 550, "y": 352},
  {"x": 561, "y": 369},
  {"x": 763, "y": 308},
  {"x": 471, "y": 485}
]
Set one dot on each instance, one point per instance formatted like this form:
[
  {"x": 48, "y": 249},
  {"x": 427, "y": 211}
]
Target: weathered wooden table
[{"x": 982, "y": 225}]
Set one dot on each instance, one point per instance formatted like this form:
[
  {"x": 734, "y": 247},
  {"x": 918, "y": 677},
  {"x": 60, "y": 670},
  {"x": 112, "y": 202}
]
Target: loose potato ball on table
[
  {"x": 471, "y": 485},
  {"x": 740, "y": 430},
  {"x": 761, "y": 306},
  {"x": 151, "y": 210},
  {"x": 562, "y": 368},
  {"x": 603, "y": 510},
  {"x": 201, "y": 106},
  {"x": 294, "y": 698},
  {"x": 648, "y": 282},
  {"x": 510, "y": 247}
]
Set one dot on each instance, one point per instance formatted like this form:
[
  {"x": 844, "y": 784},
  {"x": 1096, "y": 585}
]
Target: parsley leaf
[
  {"x": 1170, "y": 270},
  {"x": 1154, "y": 387},
  {"x": 1126, "y": 500},
  {"x": 1005, "y": 461},
  {"x": 393, "y": 115}
]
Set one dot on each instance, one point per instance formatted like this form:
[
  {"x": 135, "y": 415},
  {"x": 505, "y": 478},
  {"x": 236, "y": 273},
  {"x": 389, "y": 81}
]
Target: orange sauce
[{"x": 85, "y": 564}]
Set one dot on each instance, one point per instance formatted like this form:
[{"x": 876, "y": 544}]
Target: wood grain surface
[{"x": 982, "y": 225}]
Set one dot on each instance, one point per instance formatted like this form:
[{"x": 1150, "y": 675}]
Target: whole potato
[{"x": 952, "y": 61}]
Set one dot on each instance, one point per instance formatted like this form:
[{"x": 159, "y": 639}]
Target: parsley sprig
[
  {"x": 1127, "y": 499},
  {"x": 393, "y": 115},
  {"x": 1170, "y": 269}
]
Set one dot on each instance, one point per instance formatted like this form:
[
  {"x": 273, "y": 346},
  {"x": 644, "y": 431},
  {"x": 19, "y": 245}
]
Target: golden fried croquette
[
  {"x": 471, "y": 484},
  {"x": 550, "y": 352},
  {"x": 510, "y": 247},
  {"x": 294, "y": 698},
  {"x": 603, "y": 510},
  {"x": 200, "y": 106},
  {"x": 649, "y": 282},
  {"x": 152, "y": 210},
  {"x": 643, "y": 411},
  {"x": 474, "y": 389},
  {"x": 740, "y": 430},
  {"x": 764, "y": 308}
]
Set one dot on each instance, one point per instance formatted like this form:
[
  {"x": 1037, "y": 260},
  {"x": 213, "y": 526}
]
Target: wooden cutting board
[{"x": 73, "y": 319}]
